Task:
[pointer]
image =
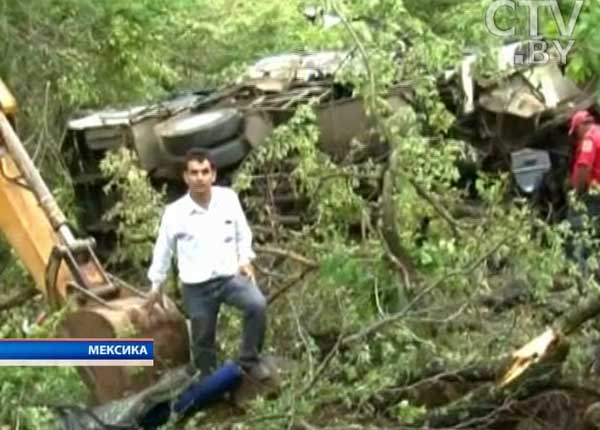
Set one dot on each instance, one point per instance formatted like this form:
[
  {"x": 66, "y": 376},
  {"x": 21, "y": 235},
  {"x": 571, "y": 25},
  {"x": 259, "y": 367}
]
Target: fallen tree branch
[
  {"x": 322, "y": 366},
  {"x": 391, "y": 236},
  {"x": 527, "y": 358},
  {"x": 574, "y": 319},
  {"x": 441, "y": 211},
  {"x": 395, "y": 261},
  {"x": 481, "y": 407},
  {"x": 399, "y": 315},
  {"x": 489, "y": 398},
  {"x": 276, "y": 294},
  {"x": 288, "y": 254}
]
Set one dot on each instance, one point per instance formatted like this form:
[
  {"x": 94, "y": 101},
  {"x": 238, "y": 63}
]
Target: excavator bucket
[
  {"x": 128, "y": 317},
  {"x": 64, "y": 267}
]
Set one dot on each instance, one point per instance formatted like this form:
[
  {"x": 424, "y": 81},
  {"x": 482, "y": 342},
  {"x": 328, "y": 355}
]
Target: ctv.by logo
[{"x": 536, "y": 48}]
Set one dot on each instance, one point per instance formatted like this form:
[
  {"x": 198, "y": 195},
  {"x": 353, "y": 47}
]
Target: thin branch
[
  {"x": 323, "y": 365},
  {"x": 388, "y": 218},
  {"x": 303, "y": 338},
  {"x": 441, "y": 211},
  {"x": 276, "y": 294},
  {"x": 395, "y": 261},
  {"x": 288, "y": 254}
]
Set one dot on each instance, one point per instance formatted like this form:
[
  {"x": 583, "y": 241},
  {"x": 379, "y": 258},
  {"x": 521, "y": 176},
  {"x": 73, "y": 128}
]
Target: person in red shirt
[
  {"x": 584, "y": 177},
  {"x": 585, "y": 167}
]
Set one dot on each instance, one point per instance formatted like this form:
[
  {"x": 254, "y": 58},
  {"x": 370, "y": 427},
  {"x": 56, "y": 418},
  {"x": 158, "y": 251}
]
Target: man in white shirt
[{"x": 208, "y": 232}]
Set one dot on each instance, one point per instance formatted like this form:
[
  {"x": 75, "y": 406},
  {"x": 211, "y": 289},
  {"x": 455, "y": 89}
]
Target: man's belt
[{"x": 211, "y": 281}]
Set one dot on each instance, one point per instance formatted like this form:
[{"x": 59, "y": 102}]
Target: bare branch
[
  {"x": 454, "y": 225},
  {"x": 288, "y": 254},
  {"x": 276, "y": 294}
]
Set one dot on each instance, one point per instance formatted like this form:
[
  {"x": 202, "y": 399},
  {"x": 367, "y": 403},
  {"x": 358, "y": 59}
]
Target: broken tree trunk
[
  {"x": 529, "y": 370},
  {"x": 480, "y": 403}
]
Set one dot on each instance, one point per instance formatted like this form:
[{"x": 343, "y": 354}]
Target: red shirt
[{"x": 587, "y": 153}]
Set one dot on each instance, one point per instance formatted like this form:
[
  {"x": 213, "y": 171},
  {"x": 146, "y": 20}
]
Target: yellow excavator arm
[
  {"x": 64, "y": 267},
  {"x": 8, "y": 104}
]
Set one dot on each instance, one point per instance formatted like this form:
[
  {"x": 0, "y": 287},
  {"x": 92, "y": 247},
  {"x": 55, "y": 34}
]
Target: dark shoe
[
  {"x": 196, "y": 374},
  {"x": 258, "y": 371}
]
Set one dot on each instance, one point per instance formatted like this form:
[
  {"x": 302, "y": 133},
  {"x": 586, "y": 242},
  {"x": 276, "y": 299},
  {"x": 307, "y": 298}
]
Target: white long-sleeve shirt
[{"x": 208, "y": 243}]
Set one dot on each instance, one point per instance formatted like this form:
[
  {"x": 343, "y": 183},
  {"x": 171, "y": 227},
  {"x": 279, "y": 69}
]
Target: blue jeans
[{"x": 203, "y": 302}]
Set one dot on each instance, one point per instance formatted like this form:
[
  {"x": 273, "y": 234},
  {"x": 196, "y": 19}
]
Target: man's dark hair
[{"x": 199, "y": 155}]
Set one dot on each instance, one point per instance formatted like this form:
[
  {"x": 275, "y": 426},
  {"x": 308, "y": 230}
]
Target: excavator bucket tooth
[{"x": 127, "y": 317}]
